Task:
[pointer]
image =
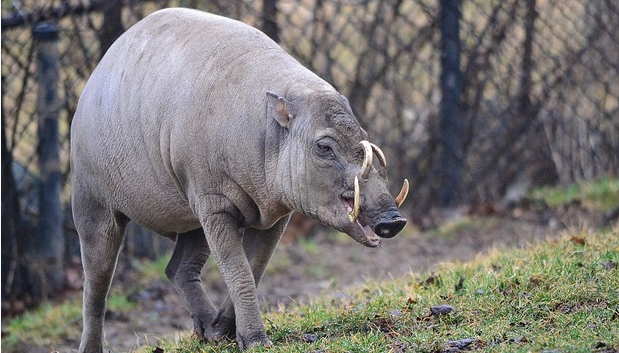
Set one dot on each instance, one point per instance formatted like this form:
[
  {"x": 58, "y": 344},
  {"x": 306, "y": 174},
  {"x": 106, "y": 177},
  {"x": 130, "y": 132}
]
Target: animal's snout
[{"x": 388, "y": 228}]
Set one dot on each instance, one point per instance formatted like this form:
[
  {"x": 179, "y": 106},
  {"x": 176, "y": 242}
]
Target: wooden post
[{"x": 50, "y": 245}]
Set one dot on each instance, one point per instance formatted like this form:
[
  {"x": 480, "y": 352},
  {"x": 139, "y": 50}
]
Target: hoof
[
  {"x": 261, "y": 340},
  {"x": 204, "y": 330},
  {"x": 222, "y": 327}
]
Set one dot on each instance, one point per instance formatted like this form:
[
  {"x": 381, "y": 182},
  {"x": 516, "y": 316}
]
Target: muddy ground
[{"x": 327, "y": 264}]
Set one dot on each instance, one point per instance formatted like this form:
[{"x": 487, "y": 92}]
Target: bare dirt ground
[{"x": 327, "y": 264}]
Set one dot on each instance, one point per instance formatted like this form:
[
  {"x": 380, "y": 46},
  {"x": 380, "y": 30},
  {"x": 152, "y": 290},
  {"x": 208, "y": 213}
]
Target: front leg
[
  {"x": 226, "y": 243},
  {"x": 259, "y": 246}
]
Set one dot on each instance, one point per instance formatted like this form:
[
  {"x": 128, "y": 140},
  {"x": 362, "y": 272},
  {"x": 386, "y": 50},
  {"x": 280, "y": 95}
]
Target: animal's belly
[
  {"x": 165, "y": 220},
  {"x": 161, "y": 209}
]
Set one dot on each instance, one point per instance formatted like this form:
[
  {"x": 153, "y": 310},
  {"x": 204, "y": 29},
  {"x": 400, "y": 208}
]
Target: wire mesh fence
[{"x": 540, "y": 78}]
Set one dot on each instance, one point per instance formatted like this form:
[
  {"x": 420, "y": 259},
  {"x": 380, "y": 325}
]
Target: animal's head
[{"x": 335, "y": 175}]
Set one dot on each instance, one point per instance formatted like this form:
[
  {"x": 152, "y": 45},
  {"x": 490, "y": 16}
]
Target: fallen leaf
[
  {"x": 578, "y": 240},
  {"x": 433, "y": 279}
]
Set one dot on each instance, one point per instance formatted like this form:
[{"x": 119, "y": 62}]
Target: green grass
[
  {"x": 50, "y": 323},
  {"x": 149, "y": 271},
  {"x": 120, "y": 303},
  {"x": 42, "y": 321},
  {"x": 558, "y": 295},
  {"x": 601, "y": 195}
]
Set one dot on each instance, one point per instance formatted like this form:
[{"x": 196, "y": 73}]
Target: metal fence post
[
  {"x": 50, "y": 245},
  {"x": 269, "y": 19},
  {"x": 451, "y": 159}
]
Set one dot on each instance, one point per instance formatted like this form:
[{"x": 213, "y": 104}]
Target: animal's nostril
[{"x": 391, "y": 228}]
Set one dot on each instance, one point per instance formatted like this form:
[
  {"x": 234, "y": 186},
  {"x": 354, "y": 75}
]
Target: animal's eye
[{"x": 324, "y": 150}]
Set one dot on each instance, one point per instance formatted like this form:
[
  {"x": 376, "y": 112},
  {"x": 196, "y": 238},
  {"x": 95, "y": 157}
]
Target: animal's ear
[{"x": 279, "y": 108}]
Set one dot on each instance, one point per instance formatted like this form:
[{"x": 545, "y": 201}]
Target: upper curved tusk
[
  {"x": 354, "y": 214},
  {"x": 380, "y": 154},
  {"x": 399, "y": 200},
  {"x": 367, "y": 159}
]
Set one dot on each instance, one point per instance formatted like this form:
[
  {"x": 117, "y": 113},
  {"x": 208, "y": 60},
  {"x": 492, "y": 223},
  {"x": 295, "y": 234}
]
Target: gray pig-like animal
[{"x": 203, "y": 129}]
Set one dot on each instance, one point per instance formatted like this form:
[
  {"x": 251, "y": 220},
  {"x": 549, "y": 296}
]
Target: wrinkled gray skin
[{"x": 204, "y": 130}]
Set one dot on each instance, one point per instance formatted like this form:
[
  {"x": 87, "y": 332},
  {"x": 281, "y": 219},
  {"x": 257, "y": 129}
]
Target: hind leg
[
  {"x": 190, "y": 254},
  {"x": 101, "y": 232}
]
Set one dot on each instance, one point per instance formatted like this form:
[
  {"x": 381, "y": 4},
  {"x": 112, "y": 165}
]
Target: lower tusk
[
  {"x": 354, "y": 214},
  {"x": 380, "y": 154},
  {"x": 367, "y": 159},
  {"x": 399, "y": 200}
]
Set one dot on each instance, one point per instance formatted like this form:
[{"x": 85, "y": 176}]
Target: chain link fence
[{"x": 540, "y": 78}]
